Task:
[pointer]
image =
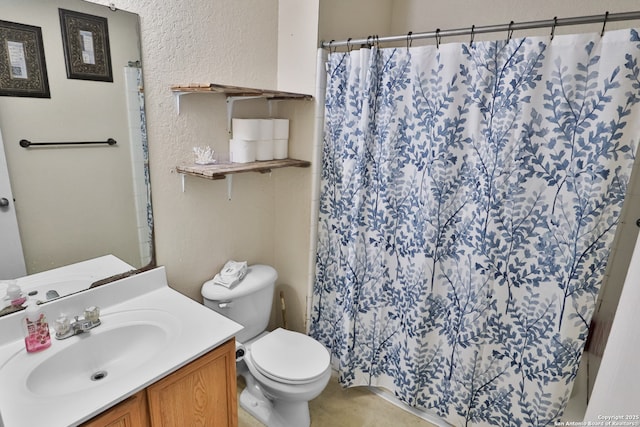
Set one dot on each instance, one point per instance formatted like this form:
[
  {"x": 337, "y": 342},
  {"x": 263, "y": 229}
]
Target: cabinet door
[
  {"x": 202, "y": 393},
  {"x": 130, "y": 413}
]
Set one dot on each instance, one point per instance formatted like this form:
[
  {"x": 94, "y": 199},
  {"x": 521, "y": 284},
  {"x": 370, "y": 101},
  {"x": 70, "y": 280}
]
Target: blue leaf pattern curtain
[{"x": 469, "y": 199}]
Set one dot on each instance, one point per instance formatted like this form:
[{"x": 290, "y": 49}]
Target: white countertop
[
  {"x": 70, "y": 278},
  {"x": 197, "y": 330}
]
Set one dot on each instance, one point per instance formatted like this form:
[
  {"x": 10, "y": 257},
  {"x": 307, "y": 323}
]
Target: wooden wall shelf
[
  {"x": 236, "y": 91},
  {"x": 220, "y": 171}
]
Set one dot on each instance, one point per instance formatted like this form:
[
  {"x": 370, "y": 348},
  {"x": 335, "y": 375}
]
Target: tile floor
[
  {"x": 359, "y": 407},
  {"x": 352, "y": 407}
]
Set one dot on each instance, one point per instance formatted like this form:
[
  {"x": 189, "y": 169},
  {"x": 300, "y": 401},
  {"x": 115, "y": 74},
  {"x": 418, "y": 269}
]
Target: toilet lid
[{"x": 289, "y": 357}]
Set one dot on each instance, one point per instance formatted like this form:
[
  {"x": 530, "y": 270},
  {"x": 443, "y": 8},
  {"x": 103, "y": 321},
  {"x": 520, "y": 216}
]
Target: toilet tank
[{"x": 247, "y": 303}]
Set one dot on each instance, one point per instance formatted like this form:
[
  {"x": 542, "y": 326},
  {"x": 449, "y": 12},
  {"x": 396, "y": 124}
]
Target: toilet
[{"x": 283, "y": 369}]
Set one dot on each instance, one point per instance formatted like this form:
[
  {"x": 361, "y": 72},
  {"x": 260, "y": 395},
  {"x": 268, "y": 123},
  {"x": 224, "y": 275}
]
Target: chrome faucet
[{"x": 66, "y": 328}]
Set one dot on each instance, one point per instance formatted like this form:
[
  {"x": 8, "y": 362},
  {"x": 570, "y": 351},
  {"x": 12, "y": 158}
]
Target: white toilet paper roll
[
  {"x": 280, "y": 148},
  {"x": 264, "y": 149},
  {"x": 280, "y": 128},
  {"x": 248, "y": 129},
  {"x": 240, "y": 351},
  {"x": 266, "y": 129},
  {"x": 242, "y": 151}
]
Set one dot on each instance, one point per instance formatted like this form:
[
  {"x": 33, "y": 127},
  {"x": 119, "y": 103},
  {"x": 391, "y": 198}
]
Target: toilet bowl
[{"x": 283, "y": 369}]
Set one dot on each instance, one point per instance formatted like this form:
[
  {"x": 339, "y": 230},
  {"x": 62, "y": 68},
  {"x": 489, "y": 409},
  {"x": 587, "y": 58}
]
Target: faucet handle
[
  {"x": 92, "y": 314},
  {"x": 62, "y": 324}
]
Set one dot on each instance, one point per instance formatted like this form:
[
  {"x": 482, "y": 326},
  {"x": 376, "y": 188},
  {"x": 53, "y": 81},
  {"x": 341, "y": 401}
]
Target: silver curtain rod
[{"x": 513, "y": 26}]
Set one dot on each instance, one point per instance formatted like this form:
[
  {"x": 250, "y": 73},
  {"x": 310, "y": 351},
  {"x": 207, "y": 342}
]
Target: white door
[{"x": 11, "y": 257}]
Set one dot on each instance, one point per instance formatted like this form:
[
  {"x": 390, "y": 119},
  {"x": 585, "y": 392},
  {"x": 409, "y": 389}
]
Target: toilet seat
[{"x": 289, "y": 357}]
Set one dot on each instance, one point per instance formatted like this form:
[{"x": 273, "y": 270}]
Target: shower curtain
[
  {"x": 134, "y": 94},
  {"x": 469, "y": 198}
]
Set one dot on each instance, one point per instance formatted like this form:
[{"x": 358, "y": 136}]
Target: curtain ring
[
  {"x": 377, "y": 41},
  {"x": 553, "y": 27},
  {"x": 438, "y": 38},
  {"x": 510, "y": 31},
  {"x": 473, "y": 35},
  {"x": 604, "y": 23},
  {"x": 330, "y": 45},
  {"x": 349, "y": 47},
  {"x": 369, "y": 41},
  {"x": 409, "y": 39}
]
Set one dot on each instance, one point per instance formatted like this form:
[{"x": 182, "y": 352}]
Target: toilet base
[{"x": 275, "y": 414}]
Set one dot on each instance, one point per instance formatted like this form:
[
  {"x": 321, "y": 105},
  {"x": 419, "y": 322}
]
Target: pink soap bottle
[{"x": 36, "y": 329}]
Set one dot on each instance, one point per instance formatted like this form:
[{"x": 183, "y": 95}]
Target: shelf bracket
[
  {"x": 229, "y": 179},
  {"x": 230, "y": 101},
  {"x": 178, "y": 95}
]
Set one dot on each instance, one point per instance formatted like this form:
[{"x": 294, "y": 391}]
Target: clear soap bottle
[
  {"x": 36, "y": 328},
  {"x": 14, "y": 294}
]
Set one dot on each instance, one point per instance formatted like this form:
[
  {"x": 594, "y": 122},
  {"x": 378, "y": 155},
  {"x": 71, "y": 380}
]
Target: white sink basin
[
  {"x": 97, "y": 357},
  {"x": 148, "y": 331},
  {"x": 121, "y": 344}
]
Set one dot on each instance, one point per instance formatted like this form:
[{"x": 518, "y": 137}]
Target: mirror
[{"x": 75, "y": 202}]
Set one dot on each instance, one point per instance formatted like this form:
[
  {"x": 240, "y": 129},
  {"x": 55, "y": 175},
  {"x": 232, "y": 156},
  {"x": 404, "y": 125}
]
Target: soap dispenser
[
  {"x": 14, "y": 294},
  {"x": 36, "y": 328}
]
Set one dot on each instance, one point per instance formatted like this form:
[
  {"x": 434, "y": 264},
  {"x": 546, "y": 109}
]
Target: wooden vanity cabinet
[
  {"x": 130, "y": 413},
  {"x": 202, "y": 393}
]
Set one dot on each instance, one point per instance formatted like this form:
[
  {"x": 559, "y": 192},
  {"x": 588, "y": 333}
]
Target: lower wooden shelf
[{"x": 219, "y": 171}]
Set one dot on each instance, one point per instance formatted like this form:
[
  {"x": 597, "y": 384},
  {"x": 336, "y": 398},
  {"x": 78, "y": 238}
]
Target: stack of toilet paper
[
  {"x": 259, "y": 139},
  {"x": 280, "y": 138}
]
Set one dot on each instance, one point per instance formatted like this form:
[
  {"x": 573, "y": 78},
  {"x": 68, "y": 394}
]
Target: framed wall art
[
  {"x": 23, "y": 70},
  {"x": 85, "y": 39}
]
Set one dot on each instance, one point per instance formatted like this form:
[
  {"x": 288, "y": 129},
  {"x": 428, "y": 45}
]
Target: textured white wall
[
  {"x": 227, "y": 42},
  {"x": 417, "y": 15},
  {"x": 267, "y": 220},
  {"x": 341, "y": 19},
  {"x": 297, "y": 39}
]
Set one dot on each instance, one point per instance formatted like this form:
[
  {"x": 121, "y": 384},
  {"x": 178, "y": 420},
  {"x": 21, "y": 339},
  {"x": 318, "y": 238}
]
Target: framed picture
[
  {"x": 23, "y": 71},
  {"x": 85, "y": 39}
]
